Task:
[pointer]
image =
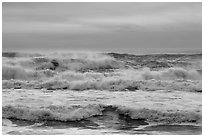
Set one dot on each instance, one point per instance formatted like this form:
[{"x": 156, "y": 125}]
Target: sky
[{"x": 108, "y": 27}]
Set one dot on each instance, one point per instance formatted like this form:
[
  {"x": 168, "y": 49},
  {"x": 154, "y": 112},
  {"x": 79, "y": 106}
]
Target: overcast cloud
[{"x": 118, "y": 27}]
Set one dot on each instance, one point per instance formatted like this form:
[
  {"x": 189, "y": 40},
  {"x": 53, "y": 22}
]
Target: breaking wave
[
  {"x": 170, "y": 79},
  {"x": 77, "y": 113},
  {"x": 15, "y": 72},
  {"x": 63, "y": 62},
  {"x": 18, "y": 72},
  {"x": 82, "y": 71}
]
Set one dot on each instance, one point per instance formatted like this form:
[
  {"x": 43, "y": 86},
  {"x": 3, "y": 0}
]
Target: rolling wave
[
  {"x": 170, "y": 79},
  {"x": 77, "y": 113}
]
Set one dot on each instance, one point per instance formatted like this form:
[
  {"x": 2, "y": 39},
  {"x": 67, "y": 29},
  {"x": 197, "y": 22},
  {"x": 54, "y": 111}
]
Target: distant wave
[
  {"x": 19, "y": 54},
  {"x": 77, "y": 113},
  {"x": 63, "y": 62},
  {"x": 100, "y": 61}
]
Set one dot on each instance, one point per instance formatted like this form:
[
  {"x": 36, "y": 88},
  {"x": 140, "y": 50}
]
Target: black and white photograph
[{"x": 101, "y": 68}]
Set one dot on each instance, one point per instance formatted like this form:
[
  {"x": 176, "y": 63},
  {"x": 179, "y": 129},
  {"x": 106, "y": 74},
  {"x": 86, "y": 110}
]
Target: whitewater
[{"x": 101, "y": 93}]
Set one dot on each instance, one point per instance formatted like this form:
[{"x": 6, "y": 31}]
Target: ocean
[{"x": 101, "y": 93}]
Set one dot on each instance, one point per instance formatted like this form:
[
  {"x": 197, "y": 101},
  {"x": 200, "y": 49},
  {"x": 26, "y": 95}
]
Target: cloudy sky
[{"x": 109, "y": 27}]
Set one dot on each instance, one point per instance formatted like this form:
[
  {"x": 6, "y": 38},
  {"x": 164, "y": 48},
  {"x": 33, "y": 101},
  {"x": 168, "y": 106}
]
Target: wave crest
[{"x": 165, "y": 74}]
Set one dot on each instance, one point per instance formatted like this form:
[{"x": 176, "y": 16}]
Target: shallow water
[{"x": 19, "y": 127}]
